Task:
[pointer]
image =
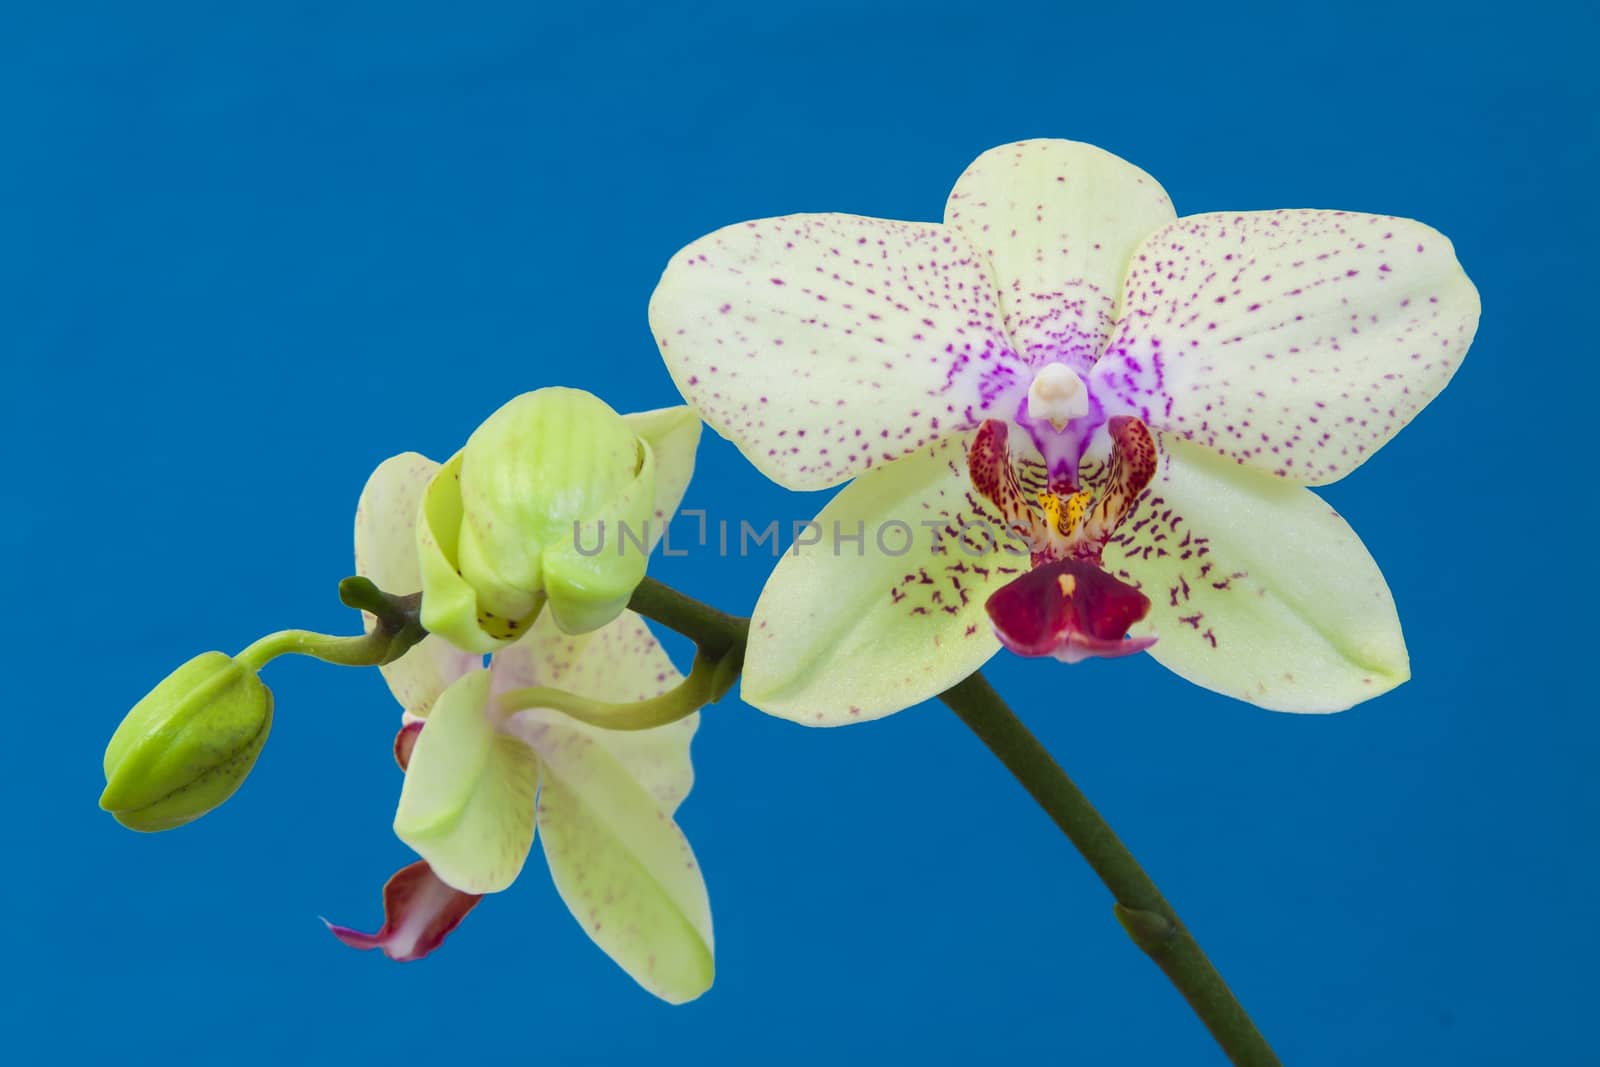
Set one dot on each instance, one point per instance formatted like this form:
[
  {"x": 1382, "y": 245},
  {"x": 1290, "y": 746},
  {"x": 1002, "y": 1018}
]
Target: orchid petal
[
  {"x": 467, "y": 806},
  {"x": 386, "y": 553},
  {"x": 386, "y": 522},
  {"x": 619, "y": 663},
  {"x": 822, "y": 345},
  {"x": 620, "y": 863},
  {"x": 1259, "y": 590},
  {"x": 419, "y": 911},
  {"x": 673, "y": 435},
  {"x": 1295, "y": 342},
  {"x": 450, "y": 610},
  {"x": 1058, "y": 221},
  {"x": 847, "y": 630}
]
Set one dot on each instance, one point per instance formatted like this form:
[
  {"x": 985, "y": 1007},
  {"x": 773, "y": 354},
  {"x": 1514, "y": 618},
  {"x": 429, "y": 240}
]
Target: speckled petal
[
  {"x": 618, "y": 663},
  {"x": 467, "y": 806},
  {"x": 1058, "y": 221},
  {"x": 848, "y": 630},
  {"x": 1296, "y": 342},
  {"x": 619, "y": 862},
  {"x": 822, "y": 345},
  {"x": 673, "y": 435},
  {"x": 386, "y": 553},
  {"x": 1258, "y": 589}
]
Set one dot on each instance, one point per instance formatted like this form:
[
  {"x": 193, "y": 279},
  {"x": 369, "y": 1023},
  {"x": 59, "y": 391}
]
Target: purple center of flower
[
  {"x": 1060, "y": 413},
  {"x": 1067, "y": 606}
]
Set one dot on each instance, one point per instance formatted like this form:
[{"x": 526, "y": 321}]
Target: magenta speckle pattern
[
  {"x": 823, "y": 345},
  {"x": 1296, "y": 342},
  {"x": 1056, "y": 221}
]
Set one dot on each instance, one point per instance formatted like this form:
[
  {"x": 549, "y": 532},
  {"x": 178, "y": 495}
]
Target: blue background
[{"x": 247, "y": 253}]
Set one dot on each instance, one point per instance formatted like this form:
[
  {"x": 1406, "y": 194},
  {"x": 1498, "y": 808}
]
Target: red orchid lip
[
  {"x": 419, "y": 911},
  {"x": 1071, "y": 610}
]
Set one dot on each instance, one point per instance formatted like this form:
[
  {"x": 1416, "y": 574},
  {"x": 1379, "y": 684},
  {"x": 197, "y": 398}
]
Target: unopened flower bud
[
  {"x": 550, "y": 503},
  {"x": 188, "y": 745}
]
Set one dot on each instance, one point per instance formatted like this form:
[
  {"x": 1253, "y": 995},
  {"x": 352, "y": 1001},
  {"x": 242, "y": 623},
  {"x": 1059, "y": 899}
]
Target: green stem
[
  {"x": 396, "y": 630},
  {"x": 719, "y": 657},
  {"x": 1144, "y": 913},
  {"x": 708, "y": 681},
  {"x": 369, "y": 650},
  {"x": 715, "y": 632}
]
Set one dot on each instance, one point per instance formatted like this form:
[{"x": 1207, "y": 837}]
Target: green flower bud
[
  {"x": 188, "y": 745},
  {"x": 551, "y": 502}
]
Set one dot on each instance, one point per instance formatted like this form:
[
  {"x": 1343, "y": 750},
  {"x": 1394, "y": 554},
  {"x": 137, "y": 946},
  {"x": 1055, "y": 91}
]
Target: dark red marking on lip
[{"x": 1069, "y": 609}]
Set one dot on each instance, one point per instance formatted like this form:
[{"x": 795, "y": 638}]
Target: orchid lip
[
  {"x": 1070, "y": 610},
  {"x": 419, "y": 912}
]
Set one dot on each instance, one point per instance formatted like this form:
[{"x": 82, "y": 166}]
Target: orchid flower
[
  {"x": 482, "y": 781},
  {"x": 1099, "y": 421}
]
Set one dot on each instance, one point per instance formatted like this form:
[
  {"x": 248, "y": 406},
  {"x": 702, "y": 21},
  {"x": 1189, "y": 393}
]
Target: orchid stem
[
  {"x": 709, "y": 680},
  {"x": 1141, "y": 909},
  {"x": 369, "y": 650},
  {"x": 715, "y": 632},
  {"x": 396, "y": 629}
]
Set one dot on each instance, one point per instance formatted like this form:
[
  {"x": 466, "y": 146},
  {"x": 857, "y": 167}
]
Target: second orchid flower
[{"x": 483, "y": 780}]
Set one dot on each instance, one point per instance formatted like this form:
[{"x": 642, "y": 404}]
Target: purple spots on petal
[
  {"x": 832, "y": 323},
  {"x": 1249, "y": 373}
]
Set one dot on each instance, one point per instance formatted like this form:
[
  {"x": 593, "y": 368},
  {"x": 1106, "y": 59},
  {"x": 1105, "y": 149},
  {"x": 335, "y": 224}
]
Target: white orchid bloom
[
  {"x": 482, "y": 782},
  {"x": 1174, "y": 384}
]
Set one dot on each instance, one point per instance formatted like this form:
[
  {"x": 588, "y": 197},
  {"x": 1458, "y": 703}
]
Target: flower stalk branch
[
  {"x": 1141, "y": 909},
  {"x": 714, "y": 632},
  {"x": 397, "y": 630},
  {"x": 709, "y": 681}
]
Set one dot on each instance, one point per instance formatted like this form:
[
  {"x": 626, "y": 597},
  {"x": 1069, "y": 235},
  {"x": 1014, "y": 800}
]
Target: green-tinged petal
[
  {"x": 1258, "y": 589},
  {"x": 822, "y": 345},
  {"x": 468, "y": 802},
  {"x": 673, "y": 434},
  {"x": 619, "y": 861},
  {"x": 543, "y": 463},
  {"x": 886, "y": 607},
  {"x": 619, "y": 663},
  {"x": 593, "y": 567},
  {"x": 1058, "y": 221},
  {"x": 1294, "y": 342},
  {"x": 386, "y": 522},
  {"x": 386, "y": 552},
  {"x": 449, "y": 604}
]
